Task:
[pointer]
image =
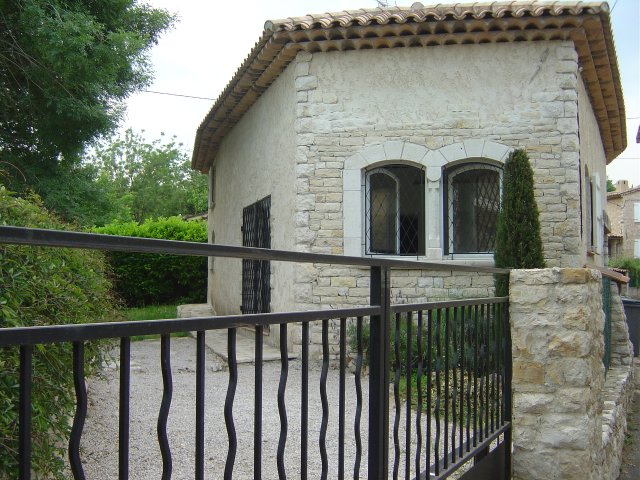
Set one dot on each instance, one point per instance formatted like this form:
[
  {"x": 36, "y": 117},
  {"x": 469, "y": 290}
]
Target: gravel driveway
[{"x": 100, "y": 437}]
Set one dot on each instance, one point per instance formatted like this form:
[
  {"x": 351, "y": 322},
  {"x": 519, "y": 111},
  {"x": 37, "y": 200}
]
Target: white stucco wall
[
  {"x": 255, "y": 160},
  {"x": 592, "y": 157}
]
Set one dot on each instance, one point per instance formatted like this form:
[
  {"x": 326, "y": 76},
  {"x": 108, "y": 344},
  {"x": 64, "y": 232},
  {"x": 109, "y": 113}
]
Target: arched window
[
  {"x": 471, "y": 206},
  {"x": 395, "y": 210}
]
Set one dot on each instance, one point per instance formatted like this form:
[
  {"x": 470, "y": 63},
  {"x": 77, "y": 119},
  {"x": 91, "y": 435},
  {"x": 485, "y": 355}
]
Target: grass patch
[{"x": 152, "y": 312}]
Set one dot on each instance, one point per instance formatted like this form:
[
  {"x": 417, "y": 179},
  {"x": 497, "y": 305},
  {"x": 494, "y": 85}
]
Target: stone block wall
[
  {"x": 618, "y": 388},
  {"x": 567, "y": 422},
  {"x": 621, "y": 347},
  {"x": 345, "y": 107}
]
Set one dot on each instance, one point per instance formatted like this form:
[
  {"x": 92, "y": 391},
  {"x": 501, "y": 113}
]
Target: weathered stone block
[
  {"x": 306, "y": 82},
  {"x": 528, "y": 372}
]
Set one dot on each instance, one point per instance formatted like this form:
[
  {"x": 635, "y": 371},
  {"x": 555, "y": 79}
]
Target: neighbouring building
[
  {"x": 623, "y": 208},
  {"x": 384, "y": 132}
]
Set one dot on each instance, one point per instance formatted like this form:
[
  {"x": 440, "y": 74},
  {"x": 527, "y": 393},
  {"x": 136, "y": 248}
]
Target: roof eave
[{"x": 587, "y": 24}]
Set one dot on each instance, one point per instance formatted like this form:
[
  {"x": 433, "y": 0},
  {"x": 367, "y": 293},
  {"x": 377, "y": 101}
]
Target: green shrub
[
  {"x": 146, "y": 279},
  {"x": 518, "y": 241},
  {"x": 438, "y": 338},
  {"x": 45, "y": 286},
  {"x": 632, "y": 265}
]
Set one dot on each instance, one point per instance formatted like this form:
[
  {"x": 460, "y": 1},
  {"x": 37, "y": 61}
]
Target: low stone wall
[
  {"x": 618, "y": 388},
  {"x": 621, "y": 347},
  {"x": 568, "y": 423},
  {"x": 617, "y": 393}
]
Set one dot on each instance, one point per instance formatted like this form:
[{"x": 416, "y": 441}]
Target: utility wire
[
  {"x": 213, "y": 99},
  {"x": 177, "y": 95}
]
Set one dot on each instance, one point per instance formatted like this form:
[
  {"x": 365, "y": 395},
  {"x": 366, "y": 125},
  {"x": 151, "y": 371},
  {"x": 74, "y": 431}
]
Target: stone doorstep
[{"x": 216, "y": 340}]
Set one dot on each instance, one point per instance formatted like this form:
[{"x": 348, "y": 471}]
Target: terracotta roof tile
[{"x": 586, "y": 23}]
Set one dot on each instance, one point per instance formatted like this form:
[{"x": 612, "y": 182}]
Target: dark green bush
[
  {"x": 45, "y": 286},
  {"x": 631, "y": 265},
  {"x": 147, "y": 279},
  {"x": 518, "y": 241}
]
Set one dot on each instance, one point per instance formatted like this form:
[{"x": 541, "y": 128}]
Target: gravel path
[{"x": 100, "y": 438}]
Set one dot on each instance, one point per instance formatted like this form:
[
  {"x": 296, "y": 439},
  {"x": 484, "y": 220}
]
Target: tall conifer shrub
[{"x": 518, "y": 242}]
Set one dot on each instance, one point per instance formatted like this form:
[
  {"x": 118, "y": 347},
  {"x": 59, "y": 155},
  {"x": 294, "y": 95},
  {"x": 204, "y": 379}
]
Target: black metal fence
[{"x": 451, "y": 366}]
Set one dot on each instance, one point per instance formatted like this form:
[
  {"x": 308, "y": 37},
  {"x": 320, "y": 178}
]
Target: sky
[{"x": 202, "y": 52}]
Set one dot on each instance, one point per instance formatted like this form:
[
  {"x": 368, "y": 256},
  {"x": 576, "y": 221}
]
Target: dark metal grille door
[{"x": 256, "y": 232}]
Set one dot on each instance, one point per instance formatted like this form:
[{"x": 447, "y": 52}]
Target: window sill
[{"x": 480, "y": 260}]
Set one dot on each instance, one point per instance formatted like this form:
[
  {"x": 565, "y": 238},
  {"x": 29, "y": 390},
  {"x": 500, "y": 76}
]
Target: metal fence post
[
  {"x": 508, "y": 391},
  {"x": 379, "y": 375}
]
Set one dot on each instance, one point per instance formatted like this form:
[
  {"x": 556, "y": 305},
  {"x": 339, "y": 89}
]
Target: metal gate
[
  {"x": 256, "y": 232},
  {"x": 460, "y": 366}
]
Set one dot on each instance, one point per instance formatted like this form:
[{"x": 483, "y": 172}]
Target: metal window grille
[
  {"x": 471, "y": 208},
  {"x": 256, "y": 232},
  {"x": 395, "y": 210}
]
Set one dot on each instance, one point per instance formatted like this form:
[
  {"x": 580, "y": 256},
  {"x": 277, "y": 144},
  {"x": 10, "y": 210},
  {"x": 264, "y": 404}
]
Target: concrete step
[{"x": 216, "y": 340}]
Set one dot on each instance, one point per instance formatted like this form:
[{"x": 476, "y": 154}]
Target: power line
[
  {"x": 213, "y": 99},
  {"x": 614, "y": 6},
  {"x": 177, "y": 95}
]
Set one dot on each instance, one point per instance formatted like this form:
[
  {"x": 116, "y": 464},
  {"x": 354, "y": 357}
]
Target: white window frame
[
  {"x": 636, "y": 212},
  {"x": 598, "y": 214},
  {"x": 433, "y": 162}
]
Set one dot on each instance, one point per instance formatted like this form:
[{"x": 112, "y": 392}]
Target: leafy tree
[
  {"x": 73, "y": 192},
  {"x": 65, "y": 68},
  {"x": 152, "y": 179},
  {"x": 518, "y": 241},
  {"x": 610, "y": 186}
]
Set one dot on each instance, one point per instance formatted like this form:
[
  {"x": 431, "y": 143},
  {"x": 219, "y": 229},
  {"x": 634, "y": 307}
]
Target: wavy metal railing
[
  {"x": 453, "y": 357},
  {"x": 462, "y": 357}
]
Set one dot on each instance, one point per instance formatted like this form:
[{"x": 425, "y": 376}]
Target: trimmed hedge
[
  {"x": 149, "y": 279},
  {"x": 45, "y": 286}
]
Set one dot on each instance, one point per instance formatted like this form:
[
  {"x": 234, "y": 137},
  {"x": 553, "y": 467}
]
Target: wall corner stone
[{"x": 558, "y": 376}]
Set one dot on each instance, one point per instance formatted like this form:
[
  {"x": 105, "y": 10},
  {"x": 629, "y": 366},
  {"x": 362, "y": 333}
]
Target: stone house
[
  {"x": 384, "y": 131},
  {"x": 623, "y": 208}
]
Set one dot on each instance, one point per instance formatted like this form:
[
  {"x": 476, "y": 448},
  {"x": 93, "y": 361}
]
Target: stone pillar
[{"x": 558, "y": 375}]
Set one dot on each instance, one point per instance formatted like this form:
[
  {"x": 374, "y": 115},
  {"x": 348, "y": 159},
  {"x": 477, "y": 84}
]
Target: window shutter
[
  {"x": 598, "y": 218},
  {"x": 636, "y": 248},
  {"x": 588, "y": 213},
  {"x": 636, "y": 211}
]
